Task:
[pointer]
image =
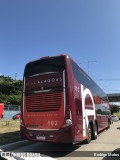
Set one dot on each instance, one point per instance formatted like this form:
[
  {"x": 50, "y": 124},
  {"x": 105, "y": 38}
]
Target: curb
[{"x": 12, "y": 146}]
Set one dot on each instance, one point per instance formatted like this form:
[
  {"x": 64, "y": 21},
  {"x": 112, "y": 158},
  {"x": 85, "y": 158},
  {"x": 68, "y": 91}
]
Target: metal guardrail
[{"x": 12, "y": 108}]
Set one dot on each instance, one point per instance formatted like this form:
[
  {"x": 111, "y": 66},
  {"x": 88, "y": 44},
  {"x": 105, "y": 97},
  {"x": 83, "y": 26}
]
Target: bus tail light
[
  {"x": 21, "y": 120},
  {"x": 68, "y": 112},
  {"x": 44, "y": 57},
  {"x": 68, "y": 117},
  {"x": 62, "y": 54},
  {"x": 68, "y": 122}
]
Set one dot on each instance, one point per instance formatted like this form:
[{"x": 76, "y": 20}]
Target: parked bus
[
  {"x": 61, "y": 103},
  {"x": 1, "y": 110}
]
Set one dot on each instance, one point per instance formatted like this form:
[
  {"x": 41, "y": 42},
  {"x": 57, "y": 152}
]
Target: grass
[{"x": 9, "y": 131}]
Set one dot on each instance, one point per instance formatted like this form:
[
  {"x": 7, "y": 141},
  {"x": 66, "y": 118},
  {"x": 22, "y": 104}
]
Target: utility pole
[
  {"x": 88, "y": 62},
  {"x": 16, "y": 76}
]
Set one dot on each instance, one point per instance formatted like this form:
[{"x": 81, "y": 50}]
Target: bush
[{"x": 10, "y": 90}]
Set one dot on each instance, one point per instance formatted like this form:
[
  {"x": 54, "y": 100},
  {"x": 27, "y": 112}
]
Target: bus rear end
[{"x": 44, "y": 116}]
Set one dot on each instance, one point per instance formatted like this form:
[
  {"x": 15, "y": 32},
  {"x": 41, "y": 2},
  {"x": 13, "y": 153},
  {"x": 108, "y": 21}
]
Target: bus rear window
[{"x": 52, "y": 64}]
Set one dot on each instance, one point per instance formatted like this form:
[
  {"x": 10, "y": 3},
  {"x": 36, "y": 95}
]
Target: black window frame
[{"x": 55, "y": 64}]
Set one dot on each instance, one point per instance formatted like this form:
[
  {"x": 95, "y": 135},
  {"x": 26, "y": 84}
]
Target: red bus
[
  {"x": 1, "y": 110},
  {"x": 61, "y": 103}
]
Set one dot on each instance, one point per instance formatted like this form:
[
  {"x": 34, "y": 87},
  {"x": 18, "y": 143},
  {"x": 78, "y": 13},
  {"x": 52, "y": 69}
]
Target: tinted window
[
  {"x": 52, "y": 64},
  {"x": 84, "y": 79}
]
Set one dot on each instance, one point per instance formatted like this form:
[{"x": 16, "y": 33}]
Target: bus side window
[
  {"x": 78, "y": 104},
  {"x": 88, "y": 103}
]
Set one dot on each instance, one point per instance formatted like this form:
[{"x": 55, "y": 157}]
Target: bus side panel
[
  {"x": 70, "y": 101},
  {"x": 77, "y": 110}
]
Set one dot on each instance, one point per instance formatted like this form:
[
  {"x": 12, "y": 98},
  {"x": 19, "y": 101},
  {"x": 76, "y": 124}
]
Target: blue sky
[{"x": 87, "y": 30}]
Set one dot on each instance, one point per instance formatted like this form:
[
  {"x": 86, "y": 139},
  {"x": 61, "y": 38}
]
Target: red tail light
[
  {"x": 68, "y": 117},
  {"x": 62, "y": 54},
  {"x": 22, "y": 105},
  {"x": 44, "y": 57}
]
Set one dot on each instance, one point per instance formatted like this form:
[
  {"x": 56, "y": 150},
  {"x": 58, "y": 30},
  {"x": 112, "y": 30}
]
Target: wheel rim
[
  {"x": 108, "y": 124},
  {"x": 89, "y": 134},
  {"x": 95, "y": 129}
]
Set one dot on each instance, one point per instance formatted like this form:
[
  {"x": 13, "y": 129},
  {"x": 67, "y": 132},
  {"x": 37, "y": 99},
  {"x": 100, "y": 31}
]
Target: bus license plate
[{"x": 40, "y": 137}]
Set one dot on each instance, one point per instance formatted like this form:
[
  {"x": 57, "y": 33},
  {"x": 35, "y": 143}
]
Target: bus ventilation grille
[{"x": 44, "y": 102}]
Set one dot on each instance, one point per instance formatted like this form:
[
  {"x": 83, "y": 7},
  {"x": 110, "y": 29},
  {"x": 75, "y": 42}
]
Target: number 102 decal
[{"x": 52, "y": 123}]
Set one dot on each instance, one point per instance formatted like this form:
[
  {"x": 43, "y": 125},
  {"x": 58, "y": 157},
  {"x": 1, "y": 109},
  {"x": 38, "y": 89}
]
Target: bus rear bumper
[{"x": 63, "y": 135}]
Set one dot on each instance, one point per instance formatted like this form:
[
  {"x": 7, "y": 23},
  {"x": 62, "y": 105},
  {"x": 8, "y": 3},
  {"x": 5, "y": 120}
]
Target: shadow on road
[
  {"x": 57, "y": 150},
  {"x": 118, "y": 128},
  {"x": 115, "y": 155},
  {"x": 9, "y": 137}
]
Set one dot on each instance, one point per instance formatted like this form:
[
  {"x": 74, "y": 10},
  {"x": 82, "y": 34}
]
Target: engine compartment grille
[{"x": 43, "y": 102}]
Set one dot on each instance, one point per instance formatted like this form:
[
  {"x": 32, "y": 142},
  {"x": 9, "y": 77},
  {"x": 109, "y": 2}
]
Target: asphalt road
[{"x": 107, "y": 143}]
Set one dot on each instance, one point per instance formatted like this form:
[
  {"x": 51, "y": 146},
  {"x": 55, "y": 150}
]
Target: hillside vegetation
[{"x": 10, "y": 90}]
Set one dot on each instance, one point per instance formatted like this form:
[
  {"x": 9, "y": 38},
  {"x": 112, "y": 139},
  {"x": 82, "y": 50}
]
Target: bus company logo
[
  {"x": 45, "y": 81},
  {"x": 86, "y": 112}
]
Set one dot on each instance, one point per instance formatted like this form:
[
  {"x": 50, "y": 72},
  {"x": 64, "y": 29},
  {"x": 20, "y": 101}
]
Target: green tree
[
  {"x": 114, "y": 109},
  {"x": 10, "y": 90},
  {"x": 14, "y": 99}
]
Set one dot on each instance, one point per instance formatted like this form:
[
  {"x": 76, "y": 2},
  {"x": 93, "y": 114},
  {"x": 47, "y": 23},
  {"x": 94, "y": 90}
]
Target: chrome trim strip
[
  {"x": 23, "y": 94},
  {"x": 64, "y": 90},
  {"x": 42, "y": 91},
  {"x": 42, "y": 74},
  {"x": 43, "y": 129}
]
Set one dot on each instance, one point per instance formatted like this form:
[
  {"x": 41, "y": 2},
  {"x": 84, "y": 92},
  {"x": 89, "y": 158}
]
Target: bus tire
[
  {"x": 94, "y": 131},
  {"x": 88, "y": 140},
  {"x": 108, "y": 124}
]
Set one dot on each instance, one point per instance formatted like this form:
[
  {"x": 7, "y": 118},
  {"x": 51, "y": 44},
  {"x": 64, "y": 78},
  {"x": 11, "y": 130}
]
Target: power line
[
  {"x": 109, "y": 79},
  {"x": 113, "y": 90}
]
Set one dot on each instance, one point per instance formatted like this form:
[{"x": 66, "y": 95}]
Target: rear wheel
[
  {"x": 94, "y": 131},
  {"x": 108, "y": 124},
  {"x": 89, "y": 135}
]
